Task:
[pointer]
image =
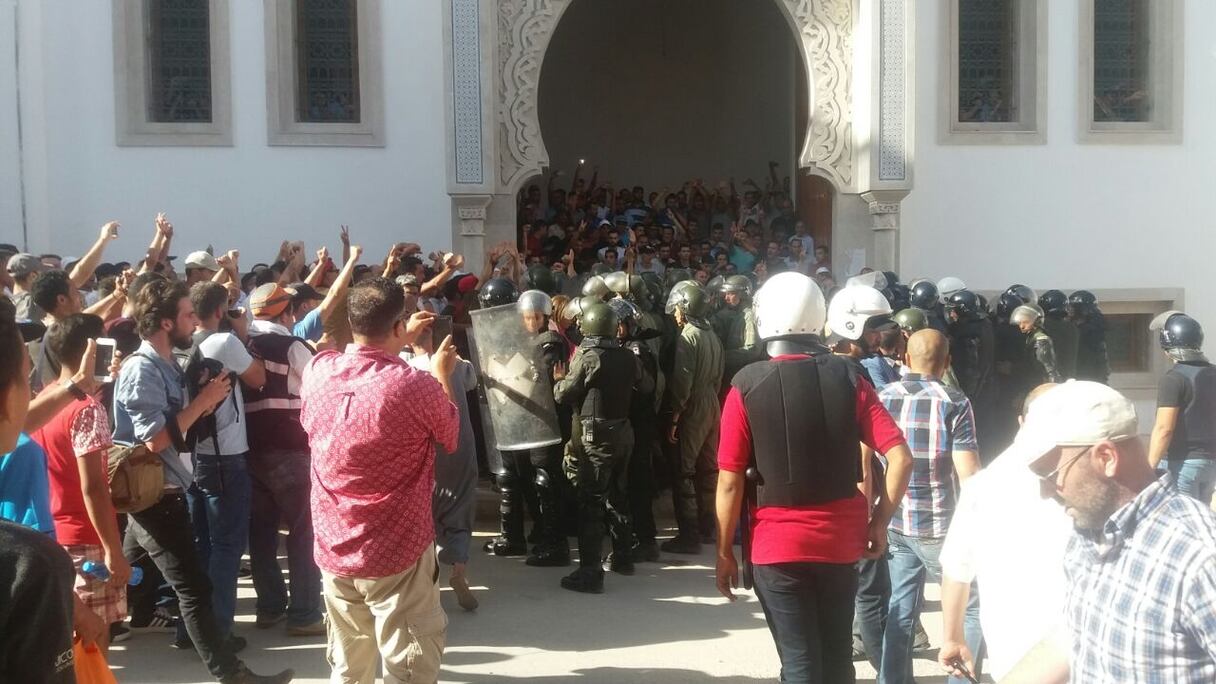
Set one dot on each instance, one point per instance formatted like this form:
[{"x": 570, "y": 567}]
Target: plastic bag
[{"x": 91, "y": 667}]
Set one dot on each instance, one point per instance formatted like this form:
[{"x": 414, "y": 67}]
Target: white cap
[
  {"x": 1077, "y": 413},
  {"x": 202, "y": 260}
]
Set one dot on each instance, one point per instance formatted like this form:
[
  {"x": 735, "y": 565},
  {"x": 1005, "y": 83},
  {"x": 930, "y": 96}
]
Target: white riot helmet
[
  {"x": 852, "y": 307},
  {"x": 789, "y": 303},
  {"x": 948, "y": 286},
  {"x": 1026, "y": 312},
  {"x": 874, "y": 279},
  {"x": 534, "y": 301}
]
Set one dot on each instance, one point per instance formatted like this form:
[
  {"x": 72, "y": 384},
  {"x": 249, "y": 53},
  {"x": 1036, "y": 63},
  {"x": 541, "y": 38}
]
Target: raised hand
[
  {"x": 110, "y": 231},
  {"x": 355, "y": 252},
  {"x": 163, "y": 226},
  {"x": 453, "y": 261},
  {"x": 344, "y": 235},
  {"x": 322, "y": 254}
]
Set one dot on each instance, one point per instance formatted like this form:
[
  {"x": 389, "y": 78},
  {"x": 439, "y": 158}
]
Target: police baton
[{"x": 752, "y": 478}]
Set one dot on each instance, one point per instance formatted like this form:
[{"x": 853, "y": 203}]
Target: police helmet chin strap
[
  {"x": 1187, "y": 355},
  {"x": 805, "y": 345}
]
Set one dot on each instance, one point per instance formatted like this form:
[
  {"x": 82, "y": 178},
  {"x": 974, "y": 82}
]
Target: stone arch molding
[{"x": 824, "y": 32}]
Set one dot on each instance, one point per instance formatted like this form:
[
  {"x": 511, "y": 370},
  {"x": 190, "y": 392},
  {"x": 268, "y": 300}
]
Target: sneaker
[
  {"x": 245, "y": 572},
  {"x": 119, "y": 632},
  {"x": 584, "y": 582},
  {"x": 243, "y": 675},
  {"x": 464, "y": 595},
  {"x": 859, "y": 648},
  {"x": 685, "y": 545},
  {"x": 315, "y": 629},
  {"x": 161, "y": 621},
  {"x": 268, "y": 621}
]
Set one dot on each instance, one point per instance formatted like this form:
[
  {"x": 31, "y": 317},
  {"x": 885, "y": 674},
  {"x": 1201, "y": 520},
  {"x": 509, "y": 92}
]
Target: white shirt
[
  {"x": 230, "y": 426},
  {"x": 1011, "y": 541}
]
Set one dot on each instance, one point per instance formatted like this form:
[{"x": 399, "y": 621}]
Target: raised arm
[
  {"x": 450, "y": 266},
  {"x": 83, "y": 270},
  {"x": 338, "y": 291},
  {"x": 318, "y": 272}
]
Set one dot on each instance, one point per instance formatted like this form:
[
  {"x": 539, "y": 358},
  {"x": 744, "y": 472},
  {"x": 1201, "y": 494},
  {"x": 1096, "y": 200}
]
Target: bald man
[{"x": 940, "y": 428}]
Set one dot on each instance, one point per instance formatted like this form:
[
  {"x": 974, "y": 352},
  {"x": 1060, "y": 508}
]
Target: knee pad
[
  {"x": 542, "y": 478},
  {"x": 506, "y": 481}
]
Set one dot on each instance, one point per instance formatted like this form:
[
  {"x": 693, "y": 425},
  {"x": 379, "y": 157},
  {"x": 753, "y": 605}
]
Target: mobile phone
[
  {"x": 105, "y": 356},
  {"x": 441, "y": 327},
  {"x": 958, "y": 664}
]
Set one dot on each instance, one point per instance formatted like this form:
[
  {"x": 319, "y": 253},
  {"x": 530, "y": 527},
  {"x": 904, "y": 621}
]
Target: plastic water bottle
[{"x": 100, "y": 572}]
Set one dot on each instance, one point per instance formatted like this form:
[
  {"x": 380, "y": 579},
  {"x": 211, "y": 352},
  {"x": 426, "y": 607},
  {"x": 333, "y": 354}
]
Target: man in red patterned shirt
[{"x": 372, "y": 423}]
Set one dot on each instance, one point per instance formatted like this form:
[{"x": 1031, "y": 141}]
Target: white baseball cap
[
  {"x": 1077, "y": 413},
  {"x": 202, "y": 260}
]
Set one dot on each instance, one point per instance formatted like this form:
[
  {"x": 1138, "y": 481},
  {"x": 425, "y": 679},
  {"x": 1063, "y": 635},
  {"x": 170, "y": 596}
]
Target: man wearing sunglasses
[{"x": 1140, "y": 568}]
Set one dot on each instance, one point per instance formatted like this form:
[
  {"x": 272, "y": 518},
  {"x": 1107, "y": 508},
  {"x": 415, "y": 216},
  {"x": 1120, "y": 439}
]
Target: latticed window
[
  {"x": 179, "y": 60},
  {"x": 327, "y": 61},
  {"x": 1122, "y": 61},
  {"x": 988, "y": 60}
]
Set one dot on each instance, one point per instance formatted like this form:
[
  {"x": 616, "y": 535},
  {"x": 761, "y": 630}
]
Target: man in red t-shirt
[
  {"x": 76, "y": 442},
  {"x": 810, "y": 523}
]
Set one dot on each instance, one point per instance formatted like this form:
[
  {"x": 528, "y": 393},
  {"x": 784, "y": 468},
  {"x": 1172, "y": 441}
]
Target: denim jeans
[
  {"x": 281, "y": 494},
  {"x": 809, "y": 610},
  {"x": 1196, "y": 477},
  {"x": 164, "y": 532},
  {"x": 870, "y": 616},
  {"x": 912, "y": 561},
  {"x": 219, "y": 510}
]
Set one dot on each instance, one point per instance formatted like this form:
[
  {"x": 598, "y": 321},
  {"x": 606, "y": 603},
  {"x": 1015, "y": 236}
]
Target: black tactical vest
[
  {"x": 1195, "y": 433},
  {"x": 805, "y": 438},
  {"x": 609, "y": 392}
]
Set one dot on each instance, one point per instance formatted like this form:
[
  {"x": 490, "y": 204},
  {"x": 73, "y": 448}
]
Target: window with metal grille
[
  {"x": 178, "y": 38},
  {"x": 1122, "y": 61},
  {"x": 327, "y": 61},
  {"x": 988, "y": 60}
]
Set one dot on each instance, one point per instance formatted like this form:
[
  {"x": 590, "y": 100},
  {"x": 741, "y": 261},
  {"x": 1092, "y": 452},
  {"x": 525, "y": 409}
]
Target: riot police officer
[
  {"x": 1063, "y": 332},
  {"x": 735, "y": 325},
  {"x": 552, "y": 549},
  {"x": 1184, "y": 433},
  {"x": 599, "y": 385},
  {"x": 1092, "y": 361},
  {"x": 692, "y": 400},
  {"x": 858, "y": 314},
  {"x": 643, "y": 418},
  {"x": 972, "y": 343},
  {"x": 541, "y": 278},
  {"x": 926, "y": 297},
  {"x": 1029, "y": 319}
]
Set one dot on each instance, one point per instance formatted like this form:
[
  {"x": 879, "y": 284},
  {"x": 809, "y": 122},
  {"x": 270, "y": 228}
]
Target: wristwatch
[{"x": 73, "y": 389}]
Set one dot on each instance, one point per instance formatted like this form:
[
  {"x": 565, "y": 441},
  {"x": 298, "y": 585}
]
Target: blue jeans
[
  {"x": 219, "y": 513},
  {"x": 1196, "y": 477},
  {"x": 281, "y": 494},
  {"x": 809, "y": 610},
  {"x": 912, "y": 561}
]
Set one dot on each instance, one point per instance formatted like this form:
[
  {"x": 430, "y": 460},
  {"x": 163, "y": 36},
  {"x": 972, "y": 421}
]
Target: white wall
[
  {"x": 657, "y": 93},
  {"x": 1067, "y": 215},
  {"x": 249, "y": 196}
]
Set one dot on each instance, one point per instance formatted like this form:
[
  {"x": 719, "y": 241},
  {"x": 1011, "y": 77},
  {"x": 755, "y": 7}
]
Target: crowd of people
[{"x": 856, "y": 439}]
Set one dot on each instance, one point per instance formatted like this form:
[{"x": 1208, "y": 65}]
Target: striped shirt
[
  {"x": 1141, "y": 595},
  {"x": 937, "y": 421}
]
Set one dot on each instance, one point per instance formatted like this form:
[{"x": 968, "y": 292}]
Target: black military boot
[
  {"x": 584, "y": 581},
  {"x": 501, "y": 546},
  {"x": 682, "y": 543},
  {"x": 620, "y": 563},
  {"x": 646, "y": 552},
  {"x": 547, "y": 556}
]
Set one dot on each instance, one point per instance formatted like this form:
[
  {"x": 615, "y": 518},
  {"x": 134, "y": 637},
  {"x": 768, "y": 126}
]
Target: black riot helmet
[
  {"x": 1005, "y": 306},
  {"x": 924, "y": 295},
  {"x": 1054, "y": 303},
  {"x": 892, "y": 278},
  {"x": 626, "y": 313},
  {"x": 1083, "y": 301},
  {"x": 966, "y": 304},
  {"x": 498, "y": 291},
  {"x": 541, "y": 278},
  {"x": 1023, "y": 293},
  {"x": 1180, "y": 336},
  {"x": 900, "y": 296}
]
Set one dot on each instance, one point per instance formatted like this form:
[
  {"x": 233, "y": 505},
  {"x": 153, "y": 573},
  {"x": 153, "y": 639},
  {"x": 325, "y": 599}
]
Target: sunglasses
[{"x": 1050, "y": 478}]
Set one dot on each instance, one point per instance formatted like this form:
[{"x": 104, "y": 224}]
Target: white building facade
[{"x": 1061, "y": 143}]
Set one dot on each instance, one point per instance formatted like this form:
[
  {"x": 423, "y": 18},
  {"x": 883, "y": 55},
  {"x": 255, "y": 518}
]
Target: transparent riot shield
[{"x": 518, "y": 390}]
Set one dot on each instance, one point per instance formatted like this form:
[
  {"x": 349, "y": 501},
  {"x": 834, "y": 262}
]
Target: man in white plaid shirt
[{"x": 1141, "y": 567}]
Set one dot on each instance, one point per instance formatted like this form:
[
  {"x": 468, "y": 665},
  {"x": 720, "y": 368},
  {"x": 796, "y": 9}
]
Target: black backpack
[{"x": 200, "y": 370}]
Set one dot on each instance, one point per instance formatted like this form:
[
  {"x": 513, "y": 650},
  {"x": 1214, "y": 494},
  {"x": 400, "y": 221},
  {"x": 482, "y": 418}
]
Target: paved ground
[{"x": 664, "y": 625}]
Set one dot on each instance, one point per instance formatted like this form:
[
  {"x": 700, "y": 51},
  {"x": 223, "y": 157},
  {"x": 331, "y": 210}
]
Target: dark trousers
[
  {"x": 640, "y": 481},
  {"x": 809, "y": 609},
  {"x": 873, "y": 597},
  {"x": 529, "y": 476},
  {"x": 600, "y": 481},
  {"x": 281, "y": 494},
  {"x": 164, "y": 531}
]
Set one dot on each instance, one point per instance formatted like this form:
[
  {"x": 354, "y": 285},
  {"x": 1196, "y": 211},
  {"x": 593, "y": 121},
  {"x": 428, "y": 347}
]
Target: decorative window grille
[
  {"x": 178, "y": 39},
  {"x": 327, "y": 61}
]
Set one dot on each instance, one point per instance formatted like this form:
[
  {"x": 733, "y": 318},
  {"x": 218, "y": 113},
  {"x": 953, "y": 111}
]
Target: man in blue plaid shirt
[
  {"x": 1141, "y": 567},
  {"x": 939, "y": 425}
]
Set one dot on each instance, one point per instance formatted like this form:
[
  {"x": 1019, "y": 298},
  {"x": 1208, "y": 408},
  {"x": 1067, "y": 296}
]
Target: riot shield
[{"x": 517, "y": 387}]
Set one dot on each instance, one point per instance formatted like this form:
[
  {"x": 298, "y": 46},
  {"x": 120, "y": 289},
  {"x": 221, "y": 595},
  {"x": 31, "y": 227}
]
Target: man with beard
[
  {"x": 151, "y": 408},
  {"x": 1140, "y": 568}
]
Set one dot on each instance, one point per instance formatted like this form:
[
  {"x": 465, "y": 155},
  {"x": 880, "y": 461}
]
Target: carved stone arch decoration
[{"x": 824, "y": 34}]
